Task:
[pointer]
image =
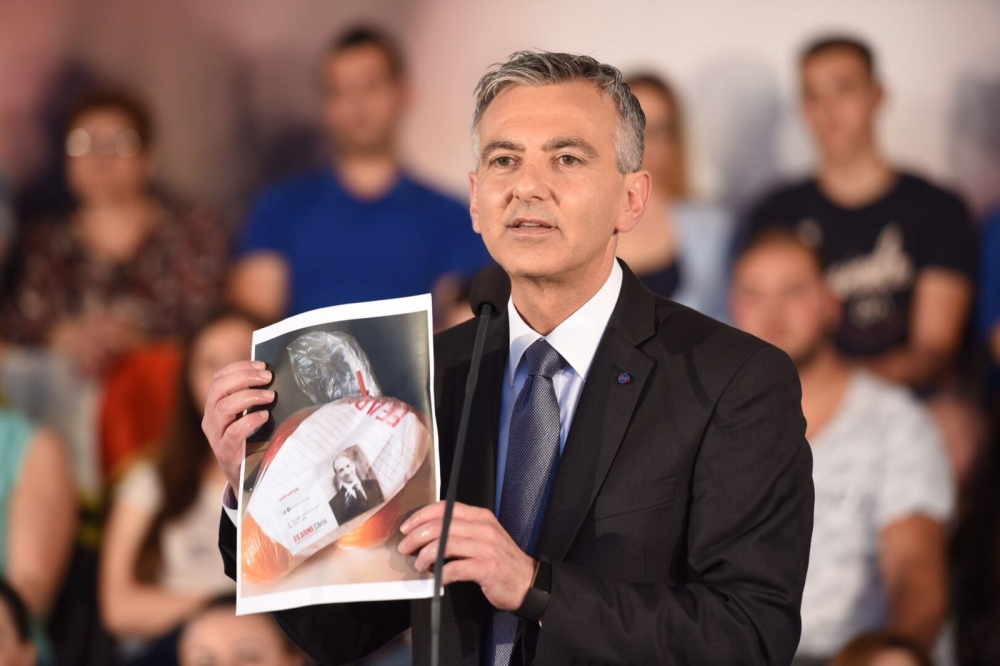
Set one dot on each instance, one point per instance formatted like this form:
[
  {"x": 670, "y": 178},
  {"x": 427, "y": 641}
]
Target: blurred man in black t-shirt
[{"x": 899, "y": 250}]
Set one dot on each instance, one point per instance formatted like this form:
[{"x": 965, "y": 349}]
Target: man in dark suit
[
  {"x": 637, "y": 487},
  {"x": 355, "y": 495}
]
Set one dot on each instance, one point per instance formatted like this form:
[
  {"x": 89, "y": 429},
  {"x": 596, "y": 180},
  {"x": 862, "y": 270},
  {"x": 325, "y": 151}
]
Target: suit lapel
[{"x": 602, "y": 416}]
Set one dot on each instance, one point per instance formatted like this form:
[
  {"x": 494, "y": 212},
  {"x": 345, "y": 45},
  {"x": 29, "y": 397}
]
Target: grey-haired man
[{"x": 637, "y": 488}]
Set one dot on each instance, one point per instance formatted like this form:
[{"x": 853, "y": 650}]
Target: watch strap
[{"x": 537, "y": 598}]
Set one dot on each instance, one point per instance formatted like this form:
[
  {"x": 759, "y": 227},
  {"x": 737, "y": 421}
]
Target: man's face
[
  {"x": 547, "y": 195},
  {"x": 362, "y": 100},
  {"x": 345, "y": 470},
  {"x": 779, "y": 295},
  {"x": 839, "y": 100}
]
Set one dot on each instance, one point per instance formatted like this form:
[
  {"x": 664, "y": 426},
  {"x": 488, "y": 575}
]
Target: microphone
[
  {"x": 488, "y": 296},
  {"x": 491, "y": 288}
]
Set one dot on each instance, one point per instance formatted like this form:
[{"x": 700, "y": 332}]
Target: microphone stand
[{"x": 456, "y": 465}]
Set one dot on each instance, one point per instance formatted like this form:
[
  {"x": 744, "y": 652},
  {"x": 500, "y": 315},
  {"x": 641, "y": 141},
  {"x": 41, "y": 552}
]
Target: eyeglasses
[{"x": 124, "y": 143}]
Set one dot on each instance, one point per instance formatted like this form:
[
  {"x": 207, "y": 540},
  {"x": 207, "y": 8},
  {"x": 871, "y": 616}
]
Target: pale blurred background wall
[
  {"x": 230, "y": 80},
  {"x": 735, "y": 65}
]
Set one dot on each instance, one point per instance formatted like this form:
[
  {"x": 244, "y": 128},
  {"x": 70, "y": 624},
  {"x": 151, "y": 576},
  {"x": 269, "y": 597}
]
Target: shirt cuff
[{"x": 230, "y": 504}]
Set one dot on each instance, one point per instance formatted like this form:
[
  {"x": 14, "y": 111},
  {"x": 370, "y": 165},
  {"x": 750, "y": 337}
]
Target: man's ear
[
  {"x": 473, "y": 205},
  {"x": 637, "y": 188}
]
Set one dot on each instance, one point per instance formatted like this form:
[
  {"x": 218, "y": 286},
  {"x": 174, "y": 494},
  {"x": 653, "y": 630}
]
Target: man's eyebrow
[
  {"x": 500, "y": 144},
  {"x": 560, "y": 142}
]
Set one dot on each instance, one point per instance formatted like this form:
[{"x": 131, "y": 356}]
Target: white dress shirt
[{"x": 576, "y": 340}]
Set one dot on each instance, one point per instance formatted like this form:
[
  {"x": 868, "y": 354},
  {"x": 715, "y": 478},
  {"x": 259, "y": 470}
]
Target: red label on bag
[{"x": 391, "y": 412}]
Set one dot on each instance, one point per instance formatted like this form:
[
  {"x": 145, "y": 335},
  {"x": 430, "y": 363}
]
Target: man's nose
[{"x": 530, "y": 184}]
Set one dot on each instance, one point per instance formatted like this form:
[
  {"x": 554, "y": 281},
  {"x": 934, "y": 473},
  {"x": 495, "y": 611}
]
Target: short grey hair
[{"x": 540, "y": 68}]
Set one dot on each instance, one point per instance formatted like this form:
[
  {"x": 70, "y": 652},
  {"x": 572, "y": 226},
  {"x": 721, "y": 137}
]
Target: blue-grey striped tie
[{"x": 532, "y": 460}]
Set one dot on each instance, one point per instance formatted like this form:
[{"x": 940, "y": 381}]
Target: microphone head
[{"x": 490, "y": 287}]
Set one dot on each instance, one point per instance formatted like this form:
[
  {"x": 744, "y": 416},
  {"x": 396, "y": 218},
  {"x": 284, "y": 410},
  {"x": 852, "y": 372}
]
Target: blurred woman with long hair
[{"x": 160, "y": 563}]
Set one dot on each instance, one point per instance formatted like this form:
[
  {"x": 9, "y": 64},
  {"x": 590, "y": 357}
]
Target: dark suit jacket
[
  {"x": 344, "y": 510},
  {"x": 681, "y": 516}
]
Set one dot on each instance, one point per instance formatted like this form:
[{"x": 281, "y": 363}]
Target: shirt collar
[{"x": 575, "y": 339}]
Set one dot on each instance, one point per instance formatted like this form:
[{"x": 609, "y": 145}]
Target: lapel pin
[{"x": 624, "y": 378}]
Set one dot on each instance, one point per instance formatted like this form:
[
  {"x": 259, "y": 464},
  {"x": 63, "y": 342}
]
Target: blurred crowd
[{"x": 117, "y": 308}]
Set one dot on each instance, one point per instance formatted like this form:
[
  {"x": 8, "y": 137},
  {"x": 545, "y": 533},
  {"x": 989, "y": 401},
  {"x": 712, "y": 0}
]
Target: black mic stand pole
[{"x": 456, "y": 465}]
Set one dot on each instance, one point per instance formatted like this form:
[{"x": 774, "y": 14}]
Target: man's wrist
[{"x": 537, "y": 598}]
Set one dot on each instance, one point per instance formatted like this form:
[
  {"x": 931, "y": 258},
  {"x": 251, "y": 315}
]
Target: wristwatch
[{"x": 533, "y": 606}]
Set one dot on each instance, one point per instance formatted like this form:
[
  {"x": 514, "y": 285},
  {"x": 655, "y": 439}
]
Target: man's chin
[{"x": 532, "y": 270}]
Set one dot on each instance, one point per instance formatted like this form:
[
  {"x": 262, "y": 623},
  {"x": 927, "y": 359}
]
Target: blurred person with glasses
[
  {"x": 360, "y": 227},
  {"x": 124, "y": 266}
]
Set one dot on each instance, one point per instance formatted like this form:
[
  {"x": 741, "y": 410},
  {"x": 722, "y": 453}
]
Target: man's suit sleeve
[
  {"x": 750, "y": 527},
  {"x": 332, "y": 633}
]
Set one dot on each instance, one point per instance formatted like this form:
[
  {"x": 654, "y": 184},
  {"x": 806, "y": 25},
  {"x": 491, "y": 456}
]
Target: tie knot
[{"x": 543, "y": 359}]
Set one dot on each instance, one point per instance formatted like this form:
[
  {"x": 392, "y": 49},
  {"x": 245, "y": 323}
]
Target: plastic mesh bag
[{"x": 330, "y": 366}]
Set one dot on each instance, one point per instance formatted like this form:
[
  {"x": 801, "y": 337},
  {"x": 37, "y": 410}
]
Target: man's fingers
[
  {"x": 423, "y": 534},
  {"x": 235, "y": 381},
  {"x": 423, "y": 515},
  {"x": 237, "y": 366},
  {"x": 460, "y": 571},
  {"x": 457, "y": 547},
  {"x": 436, "y": 511},
  {"x": 237, "y": 432},
  {"x": 235, "y": 403}
]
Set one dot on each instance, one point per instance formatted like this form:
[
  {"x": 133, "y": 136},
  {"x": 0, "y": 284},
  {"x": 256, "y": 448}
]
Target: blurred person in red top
[
  {"x": 124, "y": 266},
  {"x": 158, "y": 564}
]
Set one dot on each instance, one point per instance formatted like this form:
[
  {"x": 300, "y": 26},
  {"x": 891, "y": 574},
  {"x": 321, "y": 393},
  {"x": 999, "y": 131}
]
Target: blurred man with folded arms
[
  {"x": 883, "y": 489},
  {"x": 359, "y": 228}
]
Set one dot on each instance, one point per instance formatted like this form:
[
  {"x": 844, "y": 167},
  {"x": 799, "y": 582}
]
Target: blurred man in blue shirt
[{"x": 359, "y": 228}]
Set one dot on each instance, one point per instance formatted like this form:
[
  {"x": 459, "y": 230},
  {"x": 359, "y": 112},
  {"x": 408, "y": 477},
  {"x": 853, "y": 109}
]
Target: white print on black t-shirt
[{"x": 866, "y": 283}]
